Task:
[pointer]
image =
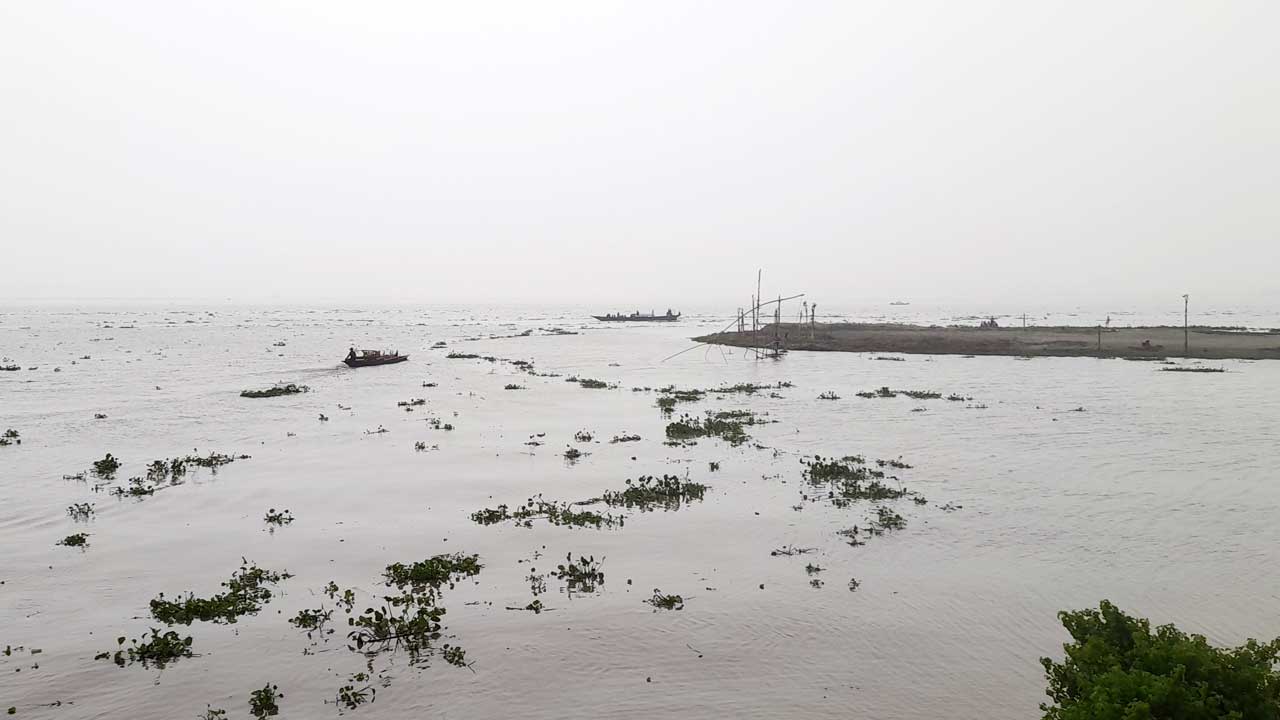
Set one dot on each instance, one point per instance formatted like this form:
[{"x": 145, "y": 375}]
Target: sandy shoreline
[{"x": 1204, "y": 342}]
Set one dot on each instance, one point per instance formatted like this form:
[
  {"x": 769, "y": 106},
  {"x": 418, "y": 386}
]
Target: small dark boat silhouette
[
  {"x": 638, "y": 317},
  {"x": 366, "y": 358}
]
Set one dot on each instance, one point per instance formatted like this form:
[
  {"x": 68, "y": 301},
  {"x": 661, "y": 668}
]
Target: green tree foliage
[{"x": 1116, "y": 668}]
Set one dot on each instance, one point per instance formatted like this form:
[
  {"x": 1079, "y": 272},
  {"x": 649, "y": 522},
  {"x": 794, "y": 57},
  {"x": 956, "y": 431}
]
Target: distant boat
[
  {"x": 899, "y": 302},
  {"x": 639, "y": 317},
  {"x": 366, "y": 358}
]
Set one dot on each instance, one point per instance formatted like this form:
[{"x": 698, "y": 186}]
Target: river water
[{"x": 1076, "y": 479}]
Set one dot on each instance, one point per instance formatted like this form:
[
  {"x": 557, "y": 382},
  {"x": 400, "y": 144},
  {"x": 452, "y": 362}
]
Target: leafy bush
[{"x": 1116, "y": 667}]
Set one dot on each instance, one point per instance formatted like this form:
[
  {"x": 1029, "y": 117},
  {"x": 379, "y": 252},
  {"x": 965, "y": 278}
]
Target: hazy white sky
[{"x": 643, "y": 153}]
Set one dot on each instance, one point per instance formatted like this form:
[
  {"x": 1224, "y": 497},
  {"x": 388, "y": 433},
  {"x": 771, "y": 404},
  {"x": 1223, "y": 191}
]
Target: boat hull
[
  {"x": 636, "y": 318},
  {"x": 369, "y": 362}
]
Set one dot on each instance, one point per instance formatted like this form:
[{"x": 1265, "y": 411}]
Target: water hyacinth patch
[
  {"x": 246, "y": 593},
  {"x": 275, "y": 391}
]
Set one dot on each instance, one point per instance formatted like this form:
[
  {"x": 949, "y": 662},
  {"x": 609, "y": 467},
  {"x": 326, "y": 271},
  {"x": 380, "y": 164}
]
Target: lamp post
[{"x": 1186, "y": 345}]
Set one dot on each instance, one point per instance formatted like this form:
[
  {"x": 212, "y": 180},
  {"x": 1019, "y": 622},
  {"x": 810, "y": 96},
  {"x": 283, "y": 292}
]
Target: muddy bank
[{"x": 1144, "y": 342}]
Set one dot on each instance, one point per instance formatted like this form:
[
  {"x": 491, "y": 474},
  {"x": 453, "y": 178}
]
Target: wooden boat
[
  {"x": 638, "y": 317},
  {"x": 367, "y": 358}
]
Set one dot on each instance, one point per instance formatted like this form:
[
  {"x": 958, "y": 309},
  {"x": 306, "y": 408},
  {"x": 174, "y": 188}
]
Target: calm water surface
[{"x": 1160, "y": 495}]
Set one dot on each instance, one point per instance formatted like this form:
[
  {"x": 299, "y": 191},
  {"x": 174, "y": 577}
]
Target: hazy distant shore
[{"x": 1205, "y": 342}]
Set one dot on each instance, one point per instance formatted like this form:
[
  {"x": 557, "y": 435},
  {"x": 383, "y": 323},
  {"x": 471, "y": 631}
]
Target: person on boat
[{"x": 351, "y": 355}]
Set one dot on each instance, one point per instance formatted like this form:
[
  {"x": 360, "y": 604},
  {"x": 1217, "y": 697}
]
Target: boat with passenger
[
  {"x": 365, "y": 358},
  {"x": 638, "y": 316}
]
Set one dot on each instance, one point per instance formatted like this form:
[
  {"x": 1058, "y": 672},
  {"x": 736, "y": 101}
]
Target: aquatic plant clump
[
  {"x": 648, "y": 492},
  {"x": 276, "y": 391},
  {"x": 79, "y": 540},
  {"x": 279, "y": 519},
  {"x": 887, "y": 519},
  {"x": 158, "y": 649},
  {"x": 662, "y": 601},
  {"x": 411, "y": 619},
  {"x": 106, "y": 467},
  {"x": 885, "y": 392},
  {"x": 10, "y": 437},
  {"x": 1184, "y": 369},
  {"x": 265, "y": 703},
  {"x": 749, "y": 388},
  {"x": 624, "y": 438},
  {"x": 246, "y": 594},
  {"x": 583, "y": 576},
  {"x": 556, "y": 513},
  {"x": 689, "y": 428}
]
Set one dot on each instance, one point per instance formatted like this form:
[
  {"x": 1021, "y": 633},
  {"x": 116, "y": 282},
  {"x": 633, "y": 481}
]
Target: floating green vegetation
[
  {"x": 958, "y": 398},
  {"x": 665, "y": 602},
  {"x": 10, "y": 437},
  {"x": 358, "y": 691},
  {"x": 885, "y": 392},
  {"x": 278, "y": 519},
  {"x": 513, "y": 386},
  {"x": 789, "y": 550},
  {"x": 106, "y": 467},
  {"x": 670, "y": 396},
  {"x": 648, "y": 492},
  {"x": 265, "y": 703},
  {"x": 624, "y": 438},
  {"x": 410, "y": 620},
  {"x": 79, "y": 540},
  {"x": 573, "y": 454},
  {"x": 556, "y": 513},
  {"x": 411, "y": 402},
  {"x": 887, "y": 519},
  {"x": 895, "y": 463},
  {"x": 312, "y": 620},
  {"x": 212, "y": 713},
  {"x": 891, "y": 358},
  {"x": 434, "y": 572},
  {"x": 1186, "y": 369},
  {"x": 583, "y": 576},
  {"x": 850, "y": 467},
  {"x": 853, "y": 584},
  {"x": 246, "y": 594},
  {"x": 157, "y": 649},
  {"x": 137, "y": 488},
  {"x": 276, "y": 391},
  {"x": 99, "y": 416},
  {"x": 812, "y": 569},
  {"x": 583, "y": 436},
  {"x": 713, "y": 466},
  {"x": 10, "y": 368},
  {"x": 689, "y": 428},
  {"x": 816, "y": 583},
  {"x": 848, "y": 480},
  {"x": 829, "y": 395},
  {"x": 591, "y": 384},
  {"x": 80, "y": 511},
  {"x": 462, "y": 356},
  {"x": 748, "y": 388},
  {"x": 175, "y": 469},
  {"x": 438, "y": 424},
  {"x": 536, "y": 607}
]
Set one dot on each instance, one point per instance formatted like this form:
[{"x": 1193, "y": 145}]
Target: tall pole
[{"x": 1186, "y": 342}]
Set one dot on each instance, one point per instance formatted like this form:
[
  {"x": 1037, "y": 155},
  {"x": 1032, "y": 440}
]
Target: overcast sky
[{"x": 655, "y": 152}]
